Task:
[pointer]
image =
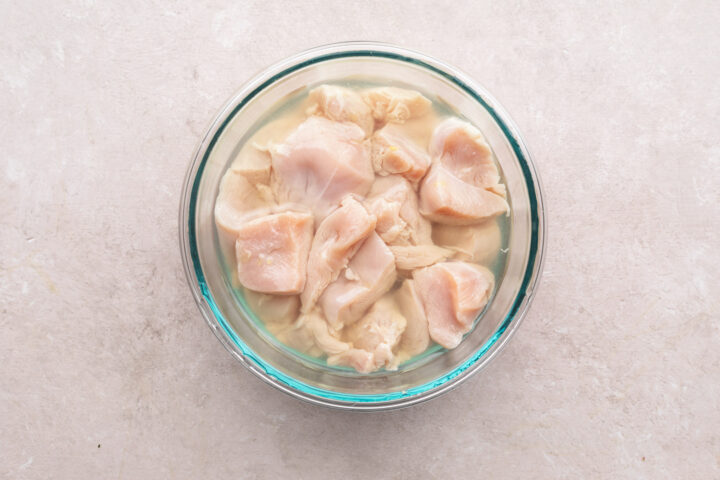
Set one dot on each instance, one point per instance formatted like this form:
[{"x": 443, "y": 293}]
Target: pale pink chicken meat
[
  {"x": 446, "y": 199},
  {"x": 319, "y": 163},
  {"x": 374, "y": 339},
  {"x": 473, "y": 243},
  {"x": 453, "y": 294},
  {"x": 368, "y": 276},
  {"x": 272, "y": 252},
  {"x": 342, "y": 105},
  {"x": 310, "y": 334},
  {"x": 393, "y": 152},
  {"x": 462, "y": 149},
  {"x": 236, "y": 198},
  {"x": 394, "y": 202},
  {"x": 416, "y": 337},
  {"x": 254, "y": 164},
  {"x": 361, "y": 360},
  {"x": 392, "y": 104},
  {"x": 410, "y": 257},
  {"x": 327, "y": 211},
  {"x": 336, "y": 240}
]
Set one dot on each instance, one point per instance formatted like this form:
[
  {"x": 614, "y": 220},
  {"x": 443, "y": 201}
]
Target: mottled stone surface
[{"x": 108, "y": 371}]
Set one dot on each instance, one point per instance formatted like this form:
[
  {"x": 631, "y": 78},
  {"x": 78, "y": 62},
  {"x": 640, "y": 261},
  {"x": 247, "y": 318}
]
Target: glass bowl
[{"x": 224, "y": 308}]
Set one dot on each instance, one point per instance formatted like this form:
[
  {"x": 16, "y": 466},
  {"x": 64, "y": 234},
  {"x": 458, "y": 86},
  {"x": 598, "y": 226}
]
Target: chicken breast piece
[
  {"x": 336, "y": 240},
  {"x": 453, "y": 294},
  {"x": 393, "y": 201},
  {"x": 272, "y": 252},
  {"x": 473, "y": 243},
  {"x": 253, "y": 163},
  {"x": 361, "y": 360},
  {"x": 391, "y": 104},
  {"x": 462, "y": 149},
  {"x": 416, "y": 337},
  {"x": 237, "y": 197},
  {"x": 342, "y": 105},
  {"x": 395, "y": 153},
  {"x": 311, "y": 334},
  {"x": 446, "y": 199},
  {"x": 410, "y": 257},
  {"x": 320, "y": 163},
  {"x": 368, "y": 276},
  {"x": 378, "y": 334}
]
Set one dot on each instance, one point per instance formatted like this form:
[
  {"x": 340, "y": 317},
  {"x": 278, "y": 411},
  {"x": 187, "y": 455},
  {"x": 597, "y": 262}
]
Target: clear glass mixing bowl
[{"x": 224, "y": 308}]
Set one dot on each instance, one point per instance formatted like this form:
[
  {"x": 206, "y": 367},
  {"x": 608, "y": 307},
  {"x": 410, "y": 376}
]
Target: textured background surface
[{"x": 108, "y": 371}]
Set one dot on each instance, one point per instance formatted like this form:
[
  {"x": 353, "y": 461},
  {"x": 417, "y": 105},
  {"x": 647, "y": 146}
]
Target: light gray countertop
[{"x": 107, "y": 369}]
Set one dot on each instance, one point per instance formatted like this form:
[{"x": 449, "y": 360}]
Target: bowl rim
[{"x": 224, "y": 331}]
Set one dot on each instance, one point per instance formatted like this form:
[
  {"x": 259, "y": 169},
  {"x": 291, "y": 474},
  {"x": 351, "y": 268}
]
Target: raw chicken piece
[
  {"x": 418, "y": 130},
  {"x": 378, "y": 333},
  {"x": 415, "y": 338},
  {"x": 370, "y": 274},
  {"x": 461, "y": 148},
  {"x": 410, "y": 257},
  {"x": 391, "y": 104},
  {"x": 310, "y": 333},
  {"x": 474, "y": 243},
  {"x": 394, "y": 203},
  {"x": 336, "y": 240},
  {"x": 393, "y": 152},
  {"x": 276, "y": 311},
  {"x": 253, "y": 163},
  {"x": 342, "y": 105},
  {"x": 446, "y": 199},
  {"x": 320, "y": 163},
  {"x": 237, "y": 197},
  {"x": 361, "y": 360},
  {"x": 272, "y": 251},
  {"x": 453, "y": 294},
  {"x": 390, "y": 226}
]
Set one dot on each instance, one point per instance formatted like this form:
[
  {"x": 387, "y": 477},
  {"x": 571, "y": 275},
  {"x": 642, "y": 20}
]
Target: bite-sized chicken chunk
[
  {"x": 319, "y": 163},
  {"x": 311, "y": 334},
  {"x": 389, "y": 225},
  {"x": 337, "y": 238},
  {"x": 378, "y": 334},
  {"x": 370, "y": 274},
  {"x": 391, "y": 104},
  {"x": 342, "y": 105},
  {"x": 361, "y": 360},
  {"x": 410, "y": 257},
  {"x": 253, "y": 163},
  {"x": 395, "y": 153},
  {"x": 473, "y": 243},
  {"x": 237, "y": 197},
  {"x": 462, "y": 149},
  {"x": 394, "y": 202},
  {"x": 453, "y": 294},
  {"x": 272, "y": 251},
  {"x": 416, "y": 337},
  {"x": 446, "y": 199}
]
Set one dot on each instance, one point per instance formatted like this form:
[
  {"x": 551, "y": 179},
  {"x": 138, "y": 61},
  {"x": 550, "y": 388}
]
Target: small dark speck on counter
[
  {"x": 99, "y": 447},
  {"x": 643, "y": 458}
]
